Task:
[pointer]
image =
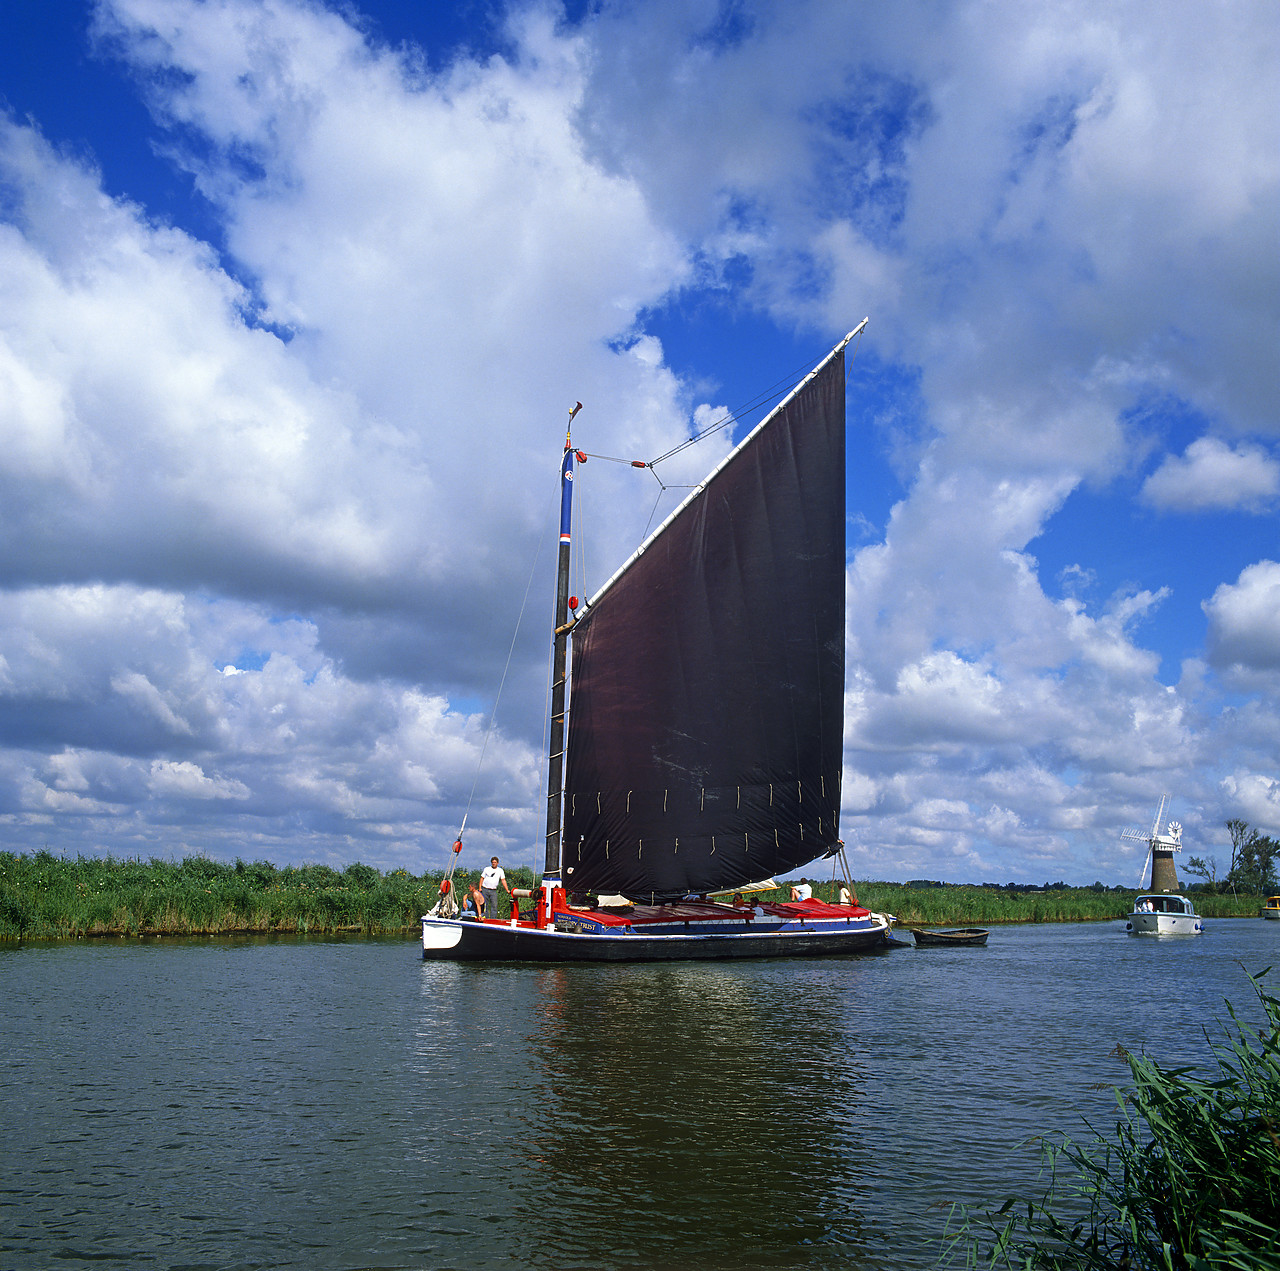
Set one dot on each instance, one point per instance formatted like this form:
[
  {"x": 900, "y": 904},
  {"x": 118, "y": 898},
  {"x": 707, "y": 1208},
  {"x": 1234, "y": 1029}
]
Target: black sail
[{"x": 706, "y": 712}]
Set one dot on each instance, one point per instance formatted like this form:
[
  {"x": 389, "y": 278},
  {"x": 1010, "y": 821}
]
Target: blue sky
[{"x": 293, "y": 298}]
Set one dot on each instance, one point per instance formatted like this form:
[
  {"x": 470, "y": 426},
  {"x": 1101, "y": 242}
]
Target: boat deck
[{"x": 703, "y": 912}]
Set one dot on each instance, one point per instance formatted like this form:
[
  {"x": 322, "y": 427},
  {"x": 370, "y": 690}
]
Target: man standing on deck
[{"x": 490, "y": 877}]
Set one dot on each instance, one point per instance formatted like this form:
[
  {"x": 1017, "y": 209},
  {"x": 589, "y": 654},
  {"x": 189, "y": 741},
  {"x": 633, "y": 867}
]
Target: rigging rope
[
  {"x": 778, "y": 390},
  {"x": 447, "y": 898}
]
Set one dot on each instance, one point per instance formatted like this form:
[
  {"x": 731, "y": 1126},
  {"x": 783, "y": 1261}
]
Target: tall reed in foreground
[{"x": 1190, "y": 1179}]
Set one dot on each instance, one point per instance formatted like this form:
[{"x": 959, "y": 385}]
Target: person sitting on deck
[
  {"x": 474, "y": 903},
  {"x": 738, "y": 902},
  {"x": 802, "y": 891},
  {"x": 847, "y": 897}
]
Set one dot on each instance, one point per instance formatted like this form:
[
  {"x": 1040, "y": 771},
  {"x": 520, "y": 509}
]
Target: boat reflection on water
[{"x": 672, "y": 1104}]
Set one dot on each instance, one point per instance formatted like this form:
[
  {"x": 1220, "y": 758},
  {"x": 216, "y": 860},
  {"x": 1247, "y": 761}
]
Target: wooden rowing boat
[{"x": 965, "y": 935}]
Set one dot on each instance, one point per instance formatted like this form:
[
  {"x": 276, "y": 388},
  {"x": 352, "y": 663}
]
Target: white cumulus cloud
[
  {"x": 270, "y": 503},
  {"x": 1212, "y": 474},
  {"x": 1244, "y": 619}
]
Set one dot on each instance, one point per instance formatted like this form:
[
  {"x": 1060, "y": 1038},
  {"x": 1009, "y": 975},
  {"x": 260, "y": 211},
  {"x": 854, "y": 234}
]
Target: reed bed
[
  {"x": 961, "y": 905},
  {"x": 44, "y": 897},
  {"x": 48, "y": 897}
]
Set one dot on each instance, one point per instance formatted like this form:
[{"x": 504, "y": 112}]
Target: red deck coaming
[
  {"x": 815, "y": 909},
  {"x": 684, "y": 912},
  {"x": 700, "y": 911}
]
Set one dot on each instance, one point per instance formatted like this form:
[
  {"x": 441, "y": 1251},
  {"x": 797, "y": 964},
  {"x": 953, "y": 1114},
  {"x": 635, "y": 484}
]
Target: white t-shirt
[
  {"x": 804, "y": 892},
  {"x": 491, "y": 876}
]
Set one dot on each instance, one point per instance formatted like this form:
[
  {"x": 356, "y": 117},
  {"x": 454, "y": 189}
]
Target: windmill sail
[{"x": 707, "y": 691}]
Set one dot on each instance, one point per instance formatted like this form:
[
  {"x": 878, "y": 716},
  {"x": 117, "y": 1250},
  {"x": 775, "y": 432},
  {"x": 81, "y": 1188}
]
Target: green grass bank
[{"x": 48, "y": 897}]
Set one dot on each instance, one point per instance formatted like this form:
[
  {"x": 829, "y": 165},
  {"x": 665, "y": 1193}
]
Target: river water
[{"x": 314, "y": 1103}]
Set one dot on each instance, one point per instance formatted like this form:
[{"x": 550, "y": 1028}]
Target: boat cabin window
[{"x": 1164, "y": 905}]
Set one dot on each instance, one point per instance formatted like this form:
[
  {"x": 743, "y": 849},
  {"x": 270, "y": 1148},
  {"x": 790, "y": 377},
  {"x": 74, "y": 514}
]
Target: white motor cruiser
[{"x": 1163, "y": 914}]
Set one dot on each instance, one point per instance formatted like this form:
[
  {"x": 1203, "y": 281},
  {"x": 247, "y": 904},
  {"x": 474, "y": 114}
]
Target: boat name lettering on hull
[{"x": 581, "y": 925}]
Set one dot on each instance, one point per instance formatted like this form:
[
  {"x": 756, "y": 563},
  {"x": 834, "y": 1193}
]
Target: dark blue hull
[{"x": 457, "y": 941}]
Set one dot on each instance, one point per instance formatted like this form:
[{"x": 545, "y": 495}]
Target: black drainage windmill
[{"x": 1160, "y": 850}]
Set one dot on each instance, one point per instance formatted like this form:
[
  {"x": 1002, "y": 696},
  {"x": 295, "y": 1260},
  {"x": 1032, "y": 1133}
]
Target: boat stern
[{"x": 1164, "y": 915}]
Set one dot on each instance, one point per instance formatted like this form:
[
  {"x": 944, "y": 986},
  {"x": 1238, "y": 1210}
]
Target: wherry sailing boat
[{"x": 705, "y": 721}]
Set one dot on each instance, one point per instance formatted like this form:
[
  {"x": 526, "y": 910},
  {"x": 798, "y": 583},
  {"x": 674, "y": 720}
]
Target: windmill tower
[{"x": 1160, "y": 849}]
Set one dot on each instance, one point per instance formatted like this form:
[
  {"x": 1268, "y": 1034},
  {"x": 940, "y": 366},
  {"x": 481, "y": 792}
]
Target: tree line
[{"x": 1254, "y": 857}]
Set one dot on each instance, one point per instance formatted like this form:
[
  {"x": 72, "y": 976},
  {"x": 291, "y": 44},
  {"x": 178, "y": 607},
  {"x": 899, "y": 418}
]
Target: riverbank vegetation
[
  {"x": 932, "y": 904},
  {"x": 1190, "y": 1178},
  {"x": 44, "y": 897}
]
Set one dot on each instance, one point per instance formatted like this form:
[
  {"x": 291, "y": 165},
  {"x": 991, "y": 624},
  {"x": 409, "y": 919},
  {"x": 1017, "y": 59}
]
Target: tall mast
[{"x": 555, "y": 756}]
